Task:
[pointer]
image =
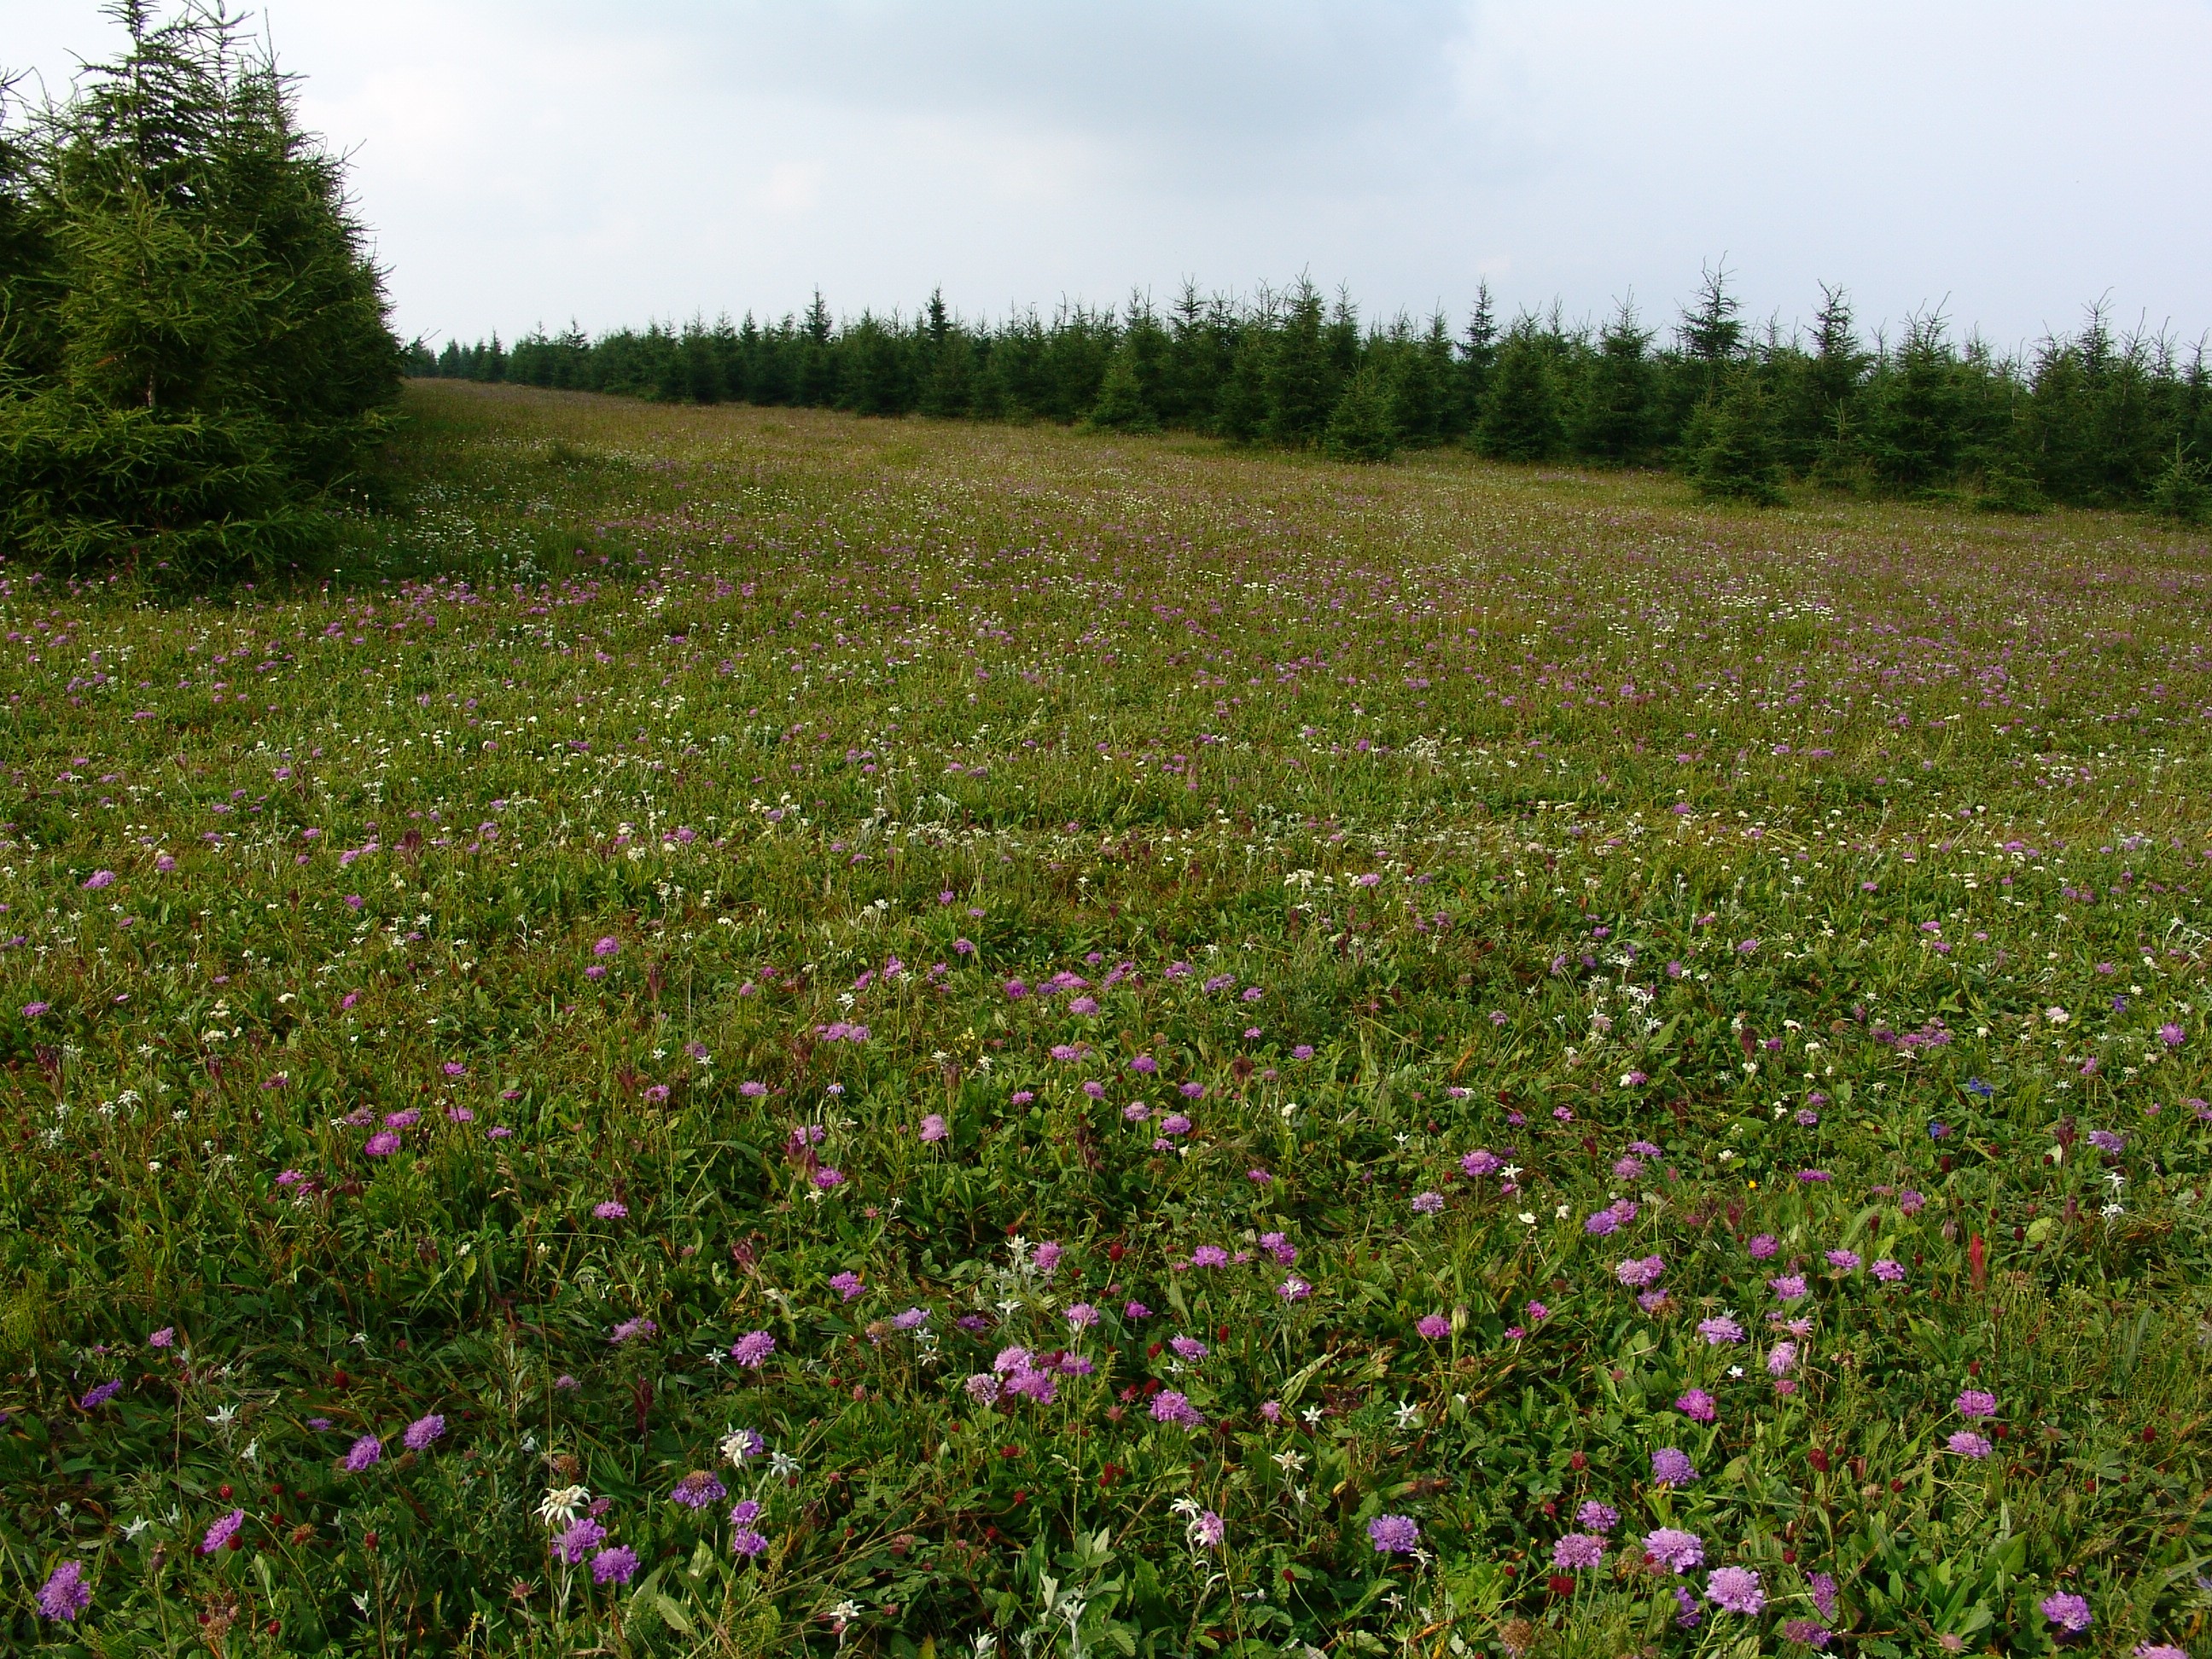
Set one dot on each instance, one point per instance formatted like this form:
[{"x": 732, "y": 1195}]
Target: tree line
[
  {"x": 195, "y": 362},
  {"x": 2096, "y": 418}
]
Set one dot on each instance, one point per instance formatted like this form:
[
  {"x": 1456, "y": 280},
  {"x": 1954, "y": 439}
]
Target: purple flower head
[
  {"x": 582, "y": 1533},
  {"x": 745, "y": 1541},
  {"x": 1428, "y": 1203},
  {"x": 1806, "y": 1632},
  {"x": 382, "y": 1143},
  {"x": 35, "y": 1010},
  {"x": 1578, "y": 1549},
  {"x": 610, "y": 1210},
  {"x": 1394, "y": 1534},
  {"x": 224, "y": 1528},
  {"x": 615, "y": 1565},
  {"x": 164, "y": 1338},
  {"x": 698, "y": 1489},
  {"x": 629, "y": 1329},
  {"x": 1790, "y": 1287},
  {"x": 1764, "y": 1247},
  {"x": 363, "y": 1454},
  {"x": 1601, "y": 1222},
  {"x": 64, "y": 1594},
  {"x": 1047, "y": 1257},
  {"x": 1720, "y": 1332},
  {"x": 1209, "y": 1255},
  {"x": 1479, "y": 1164},
  {"x": 423, "y": 1431},
  {"x": 1844, "y": 1261},
  {"x": 933, "y": 1128},
  {"x": 848, "y": 1286},
  {"x": 752, "y": 1349},
  {"x": 1782, "y": 1360},
  {"x": 912, "y": 1318},
  {"x": 100, "y": 1396},
  {"x": 1974, "y": 1403},
  {"x": 2070, "y": 1613},
  {"x": 1082, "y": 1316},
  {"x": 1966, "y": 1444},
  {"x": 1294, "y": 1289},
  {"x": 1175, "y": 1124},
  {"x": 1671, "y": 1466},
  {"x": 1736, "y": 1589},
  {"x": 1135, "y": 1311},
  {"x": 1671, "y": 1548},
  {"x": 1168, "y": 1406},
  {"x": 1594, "y": 1517},
  {"x": 1188, "y": 1348},
  {"x": 1698, "y": 1406},
  {"x": 1638, "y": 1272},
  {"x": 1435, "y": 1327},
  {"x": 1887, "y": 1271},
  {"x": 2106, "y": 1141},
  {"x": 983, "y": 1388}
]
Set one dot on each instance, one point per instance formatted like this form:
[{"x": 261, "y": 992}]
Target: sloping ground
[{"x": 1125, "y": 1047}]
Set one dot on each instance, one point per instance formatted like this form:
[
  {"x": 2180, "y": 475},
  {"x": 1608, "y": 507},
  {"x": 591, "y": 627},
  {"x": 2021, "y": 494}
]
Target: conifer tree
[
  {"x": 1362, "y": 427},
  {"x": 2184, "y": 489},
  {"x": 1735, "y": 459},
  {"x": 1478, "y": 357},
  {"x": 1613, "y": 420},
  {"x": 1121, "y": 406},
  {"x": 1520, "y": 412},
  {"x": 1241, "y": 415},
  {"x": 1297, "y": 372}
]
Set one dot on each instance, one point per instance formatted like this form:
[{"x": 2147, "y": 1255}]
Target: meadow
[{"x": 756, "y": 1032}]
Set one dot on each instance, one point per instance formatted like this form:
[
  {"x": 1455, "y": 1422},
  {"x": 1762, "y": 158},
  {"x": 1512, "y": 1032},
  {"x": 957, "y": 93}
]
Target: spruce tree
[
  {"x": 1520, "y": 412},
  {"x": 1241, "y": 414},
  {"x": 1477, "y": 358},
  {"x": 1735, "y": 460},
  {"x": 1614, "y": 419},
  {"x": 1121, "y": 406},
  {"x": 1298, "y": 372},
  {"x": 195, "y": 352},
  {"x": 2183, "y": 490},
  {"x": 1362, "y": 427}
]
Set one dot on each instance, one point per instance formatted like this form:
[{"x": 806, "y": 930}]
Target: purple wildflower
[
  {"x": 582, "y": 1533},
  {"x": 2070, "y": 1613},
  {"x": 1168, "y": 1406},
  {"x": 1698, "y": 1406},
  {"x": 1671, "y": 1548},
  {"x": 1394, "y": 1534},
  {"x": 1720, "y": 1332},
  {"x": 752, "y": 1349},
  {"x": 422, "y": 1431},
  {"x": 1594, "y": 1517},
  {"x": 615, "y": 1565},
  {"x": 100, "y": 1396},
  {"x": 1736, "y": 1589},
  {"x": 1435, "y": 1327},
  {"x": 224, "y": 1528},
  {"x": 363, "y": 1452},
  {"x": 1671, "y": 1466},
  {"x": 1578, "y": 1549},
  {"x": 64, "y": 1594},
  {"x": 698, "y": 1489},
  {"x": 1966, "y": 1444},
  {"x": 1975, "y": 1403}
]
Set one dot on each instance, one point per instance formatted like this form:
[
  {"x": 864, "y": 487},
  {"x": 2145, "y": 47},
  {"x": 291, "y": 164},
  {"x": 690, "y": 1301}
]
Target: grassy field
[{"x": 769, "y": 1033}]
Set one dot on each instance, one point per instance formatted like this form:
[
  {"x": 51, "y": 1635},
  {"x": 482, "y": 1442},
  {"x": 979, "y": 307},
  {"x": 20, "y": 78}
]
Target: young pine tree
[
  {"x": 1521, "y": 409},
  {"x": 1364, "y": 425},
  {"x": 1122, "y": 405},
  {"x": 1298, "y": 372},
  {"x": 1735, "y": 460},
  {"x": 1613, "y": 423}
]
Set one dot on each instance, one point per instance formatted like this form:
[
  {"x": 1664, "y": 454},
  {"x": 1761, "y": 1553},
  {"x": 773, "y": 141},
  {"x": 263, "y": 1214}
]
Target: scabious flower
[
  {"x": 1975, "y": 1403},
  {"x": 1764, "y": 1246},
  {"x": 1394, "y": 1534},
  {"x": 1209, "y": 1255},
  {"x": 1671, "y": 1548},
  {"x": 1594, "y": 1517},
  {"x": 630, "y": 1329},
  {"x": 1168, "y": 1406},
  {"x": 1966, "y": 1444},
  {"x": 1294, "y": 1289},
  {"x": 697, "y": 1489},
  {"x": 101, "y": 1395},
  {"x": 1636, "y": 1273},
  {"x": 1790, "y": 1287},
  {"x": 64, "y": 1594},
  {"x": 2070, "y": 1613},
  {"x": 1823, "y": 1587},
  {"x": 982, "y": 1387},
  {"x": 1082, "y": 1316},
  {"x": 1578, "y": 1549},
  {"x": 1720, "y": 1332},
  {"x": 1188, "y": 1348},
  {"x": 2106, "y": 1141},
  {"x": 1843, "y": 1261},
  {"x": 615, "y": 1565},
  {"x": 1888, "y": 1272},
  {"x": 423, "y": 1431},
  {"x": 1736, "y": 1589},
  {"x": 610, "y": 1210},
  {"x": 1782, "y": 1360},
  {"x": 222, "y": 1532},
  {"x": 1435, "y": 1327},
  {"x": 364, "y": 1451},
  {"x": 580, "y": 1536},
  {"x": 1480, "y": 1163},
  {"x": 933, "y": 1128},
  {"x": 1697, "y": 1404},
  {"x": 1601, "y": 1223},
  {"x": 1208, "y": 1531},
  {"x": 2159, "y": 1650},
  {"x": 752, "y": 1349},
  {"x": 1428, "y": 1203},
  {"x": 846, "y": 1285},
  {"x": 382, "y": 1143},
  {"x": 1671, "y": 1466}
]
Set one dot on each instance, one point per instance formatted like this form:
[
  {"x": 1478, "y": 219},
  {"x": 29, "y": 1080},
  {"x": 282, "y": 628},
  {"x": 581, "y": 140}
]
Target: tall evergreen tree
[
  {"x": 1914, "y": 433},
  {"x": 1477, "y": 358},
  {"x": 1614, "y": 422},
  {"x": 1735, "y": 459},
  {"x": 1362, "y": 427},
  {"x": 1298, "y": 372},
  {"x": 1521, "y": 411},
  {"x": 1241, "y": 414}
]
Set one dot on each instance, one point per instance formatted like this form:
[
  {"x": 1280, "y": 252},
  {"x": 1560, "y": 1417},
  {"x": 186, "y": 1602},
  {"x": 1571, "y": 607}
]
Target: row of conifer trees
[{"x": 2091, "y": 419}]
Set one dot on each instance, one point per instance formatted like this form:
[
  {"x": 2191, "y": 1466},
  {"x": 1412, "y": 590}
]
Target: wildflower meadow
[{"x": 759, "y": 1032}]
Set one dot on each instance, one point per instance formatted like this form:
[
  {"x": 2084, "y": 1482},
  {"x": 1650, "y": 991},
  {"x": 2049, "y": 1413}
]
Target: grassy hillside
[{"x": 1149, "y": 1050}]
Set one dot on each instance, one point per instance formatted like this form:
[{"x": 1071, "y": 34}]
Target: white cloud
[{"x": 532, "y": 161}]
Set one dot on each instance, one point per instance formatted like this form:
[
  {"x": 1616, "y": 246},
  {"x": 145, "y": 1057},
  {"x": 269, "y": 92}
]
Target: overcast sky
[{"x": 527, "y": 161}]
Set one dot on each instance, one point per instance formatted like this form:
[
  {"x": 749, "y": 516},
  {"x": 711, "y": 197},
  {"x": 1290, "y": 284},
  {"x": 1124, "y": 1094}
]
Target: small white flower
[
  {"x": 782, "y": 1465},
  {"x": 1409, "y": 1415},
  {"x": 561, "y": 1505},
  {"x": 1528, "y": 1218}
]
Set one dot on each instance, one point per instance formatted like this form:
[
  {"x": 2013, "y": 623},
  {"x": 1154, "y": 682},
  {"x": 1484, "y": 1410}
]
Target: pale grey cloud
[{"x": 524, "y": 161}]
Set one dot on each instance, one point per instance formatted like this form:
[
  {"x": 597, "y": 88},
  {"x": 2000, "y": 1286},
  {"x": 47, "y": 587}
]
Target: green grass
[{"x": 1402, "y": 813}]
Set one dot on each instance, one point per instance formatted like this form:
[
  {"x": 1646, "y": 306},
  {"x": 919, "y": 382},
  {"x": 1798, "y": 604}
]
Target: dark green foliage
[
  {"x": 2092, "y": 420},
  {"x": 195, "y": 354},
  {"x": 1362, "y": 427},
  {"x": 1734, "y": 460},
  {"x": 1613, "y": 423},
  {"x": 1521, "y": 411},
  {"x": 2183, "y": 490}
]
